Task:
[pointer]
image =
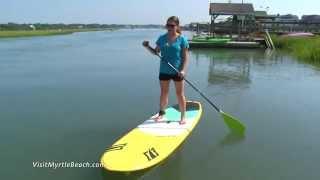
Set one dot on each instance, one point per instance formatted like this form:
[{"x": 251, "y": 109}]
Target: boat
[{"x": 203, "y": 39}]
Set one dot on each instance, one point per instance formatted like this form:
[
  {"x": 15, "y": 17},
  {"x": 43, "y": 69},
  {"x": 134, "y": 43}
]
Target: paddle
[{"x": 233, "y": 123}]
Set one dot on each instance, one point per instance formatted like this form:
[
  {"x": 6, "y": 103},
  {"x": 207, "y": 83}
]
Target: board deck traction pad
[{"x": 151, "y": 142}]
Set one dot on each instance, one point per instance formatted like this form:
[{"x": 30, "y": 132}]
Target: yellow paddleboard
[{"x": 151, "y": 142}]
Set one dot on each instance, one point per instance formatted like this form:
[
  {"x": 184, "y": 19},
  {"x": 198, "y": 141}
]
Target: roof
[
  {"x": 231, "y": 9},
  {"x": 289, "y": 16},
  {"x": 260, "y": 13}
]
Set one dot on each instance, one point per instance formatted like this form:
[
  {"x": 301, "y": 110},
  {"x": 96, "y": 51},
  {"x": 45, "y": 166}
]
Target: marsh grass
[
  {"x": 304, "y": 48},
  {"x": 30, "y": 33}
]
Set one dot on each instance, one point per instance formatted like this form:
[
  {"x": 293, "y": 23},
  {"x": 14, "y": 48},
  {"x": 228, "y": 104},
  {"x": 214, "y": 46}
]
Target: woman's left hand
[{"x": 182, "y": 74}]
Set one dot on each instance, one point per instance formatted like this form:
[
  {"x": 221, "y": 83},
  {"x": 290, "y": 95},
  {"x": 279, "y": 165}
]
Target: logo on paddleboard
[
  {"x": 116, "y": 147},
  {"x": 151, "y": 154}
]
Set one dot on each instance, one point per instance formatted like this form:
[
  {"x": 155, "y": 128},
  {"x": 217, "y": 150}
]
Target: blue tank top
[{"x": 171, "y": 52}]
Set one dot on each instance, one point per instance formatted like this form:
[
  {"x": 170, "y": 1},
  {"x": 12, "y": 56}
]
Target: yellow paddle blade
[{"x": 234, "y": 124}]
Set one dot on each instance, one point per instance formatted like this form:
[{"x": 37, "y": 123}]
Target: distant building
[
  {"x": 199, "y": 26},
  {"x": 241, "y": 20},
  {"x": 310, "y": 19}
]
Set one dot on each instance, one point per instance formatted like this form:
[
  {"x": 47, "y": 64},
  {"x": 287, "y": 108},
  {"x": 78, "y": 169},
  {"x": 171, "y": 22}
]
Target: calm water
[{"x": 66, "y": 98}]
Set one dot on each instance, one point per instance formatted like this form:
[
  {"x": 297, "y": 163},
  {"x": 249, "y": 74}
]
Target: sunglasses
[{"x": 171, "y": 25}]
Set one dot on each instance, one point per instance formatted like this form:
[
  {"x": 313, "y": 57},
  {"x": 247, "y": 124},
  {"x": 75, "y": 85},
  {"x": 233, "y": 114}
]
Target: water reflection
[
  {"x": 172, "y": 167},
  {"x": 232, "y": 68},
  {"x": 229, "y": 73},
  {"x": 231, "y": 139},
  {"x": 106, "y": 175}
]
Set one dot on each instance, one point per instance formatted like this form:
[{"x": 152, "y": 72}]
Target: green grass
[
  {"x": 23, "y": 33},
  {"x": 304, "y": 48}
]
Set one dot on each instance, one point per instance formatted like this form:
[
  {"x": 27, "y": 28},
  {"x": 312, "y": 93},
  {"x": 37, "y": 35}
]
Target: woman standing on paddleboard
[{"x": 173, "y": 47}]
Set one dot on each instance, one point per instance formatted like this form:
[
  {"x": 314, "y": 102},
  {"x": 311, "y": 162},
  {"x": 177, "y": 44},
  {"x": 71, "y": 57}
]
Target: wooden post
[
  {"x": 212, "y": 26},
  {"x": 198, "y": 28}
]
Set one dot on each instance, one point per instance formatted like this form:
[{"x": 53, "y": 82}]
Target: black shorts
[{"x": 167, "y": 77}]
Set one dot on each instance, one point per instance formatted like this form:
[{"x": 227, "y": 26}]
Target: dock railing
[{"x": 268, "y": 40}]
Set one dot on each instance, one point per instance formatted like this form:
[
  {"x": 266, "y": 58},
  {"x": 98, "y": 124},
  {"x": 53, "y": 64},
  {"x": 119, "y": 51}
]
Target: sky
[{"x": 133, "y": 11}]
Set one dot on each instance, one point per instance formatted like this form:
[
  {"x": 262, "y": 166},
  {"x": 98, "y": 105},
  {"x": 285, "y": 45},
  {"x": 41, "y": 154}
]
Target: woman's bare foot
[
  {"x": 182, "y": 121},
  {"x": 157, "y": 117}
]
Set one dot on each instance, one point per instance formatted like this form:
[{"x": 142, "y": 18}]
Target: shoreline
[{"x": 51, "y": 32}]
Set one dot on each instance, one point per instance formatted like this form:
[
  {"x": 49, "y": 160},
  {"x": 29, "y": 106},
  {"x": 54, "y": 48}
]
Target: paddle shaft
[
  {"x": 191, "y": 84},
  {"x": 234, "y": 124}
]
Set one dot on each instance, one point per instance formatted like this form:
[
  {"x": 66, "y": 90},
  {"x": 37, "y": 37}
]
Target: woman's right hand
[{"x": 145, "y": 43}]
